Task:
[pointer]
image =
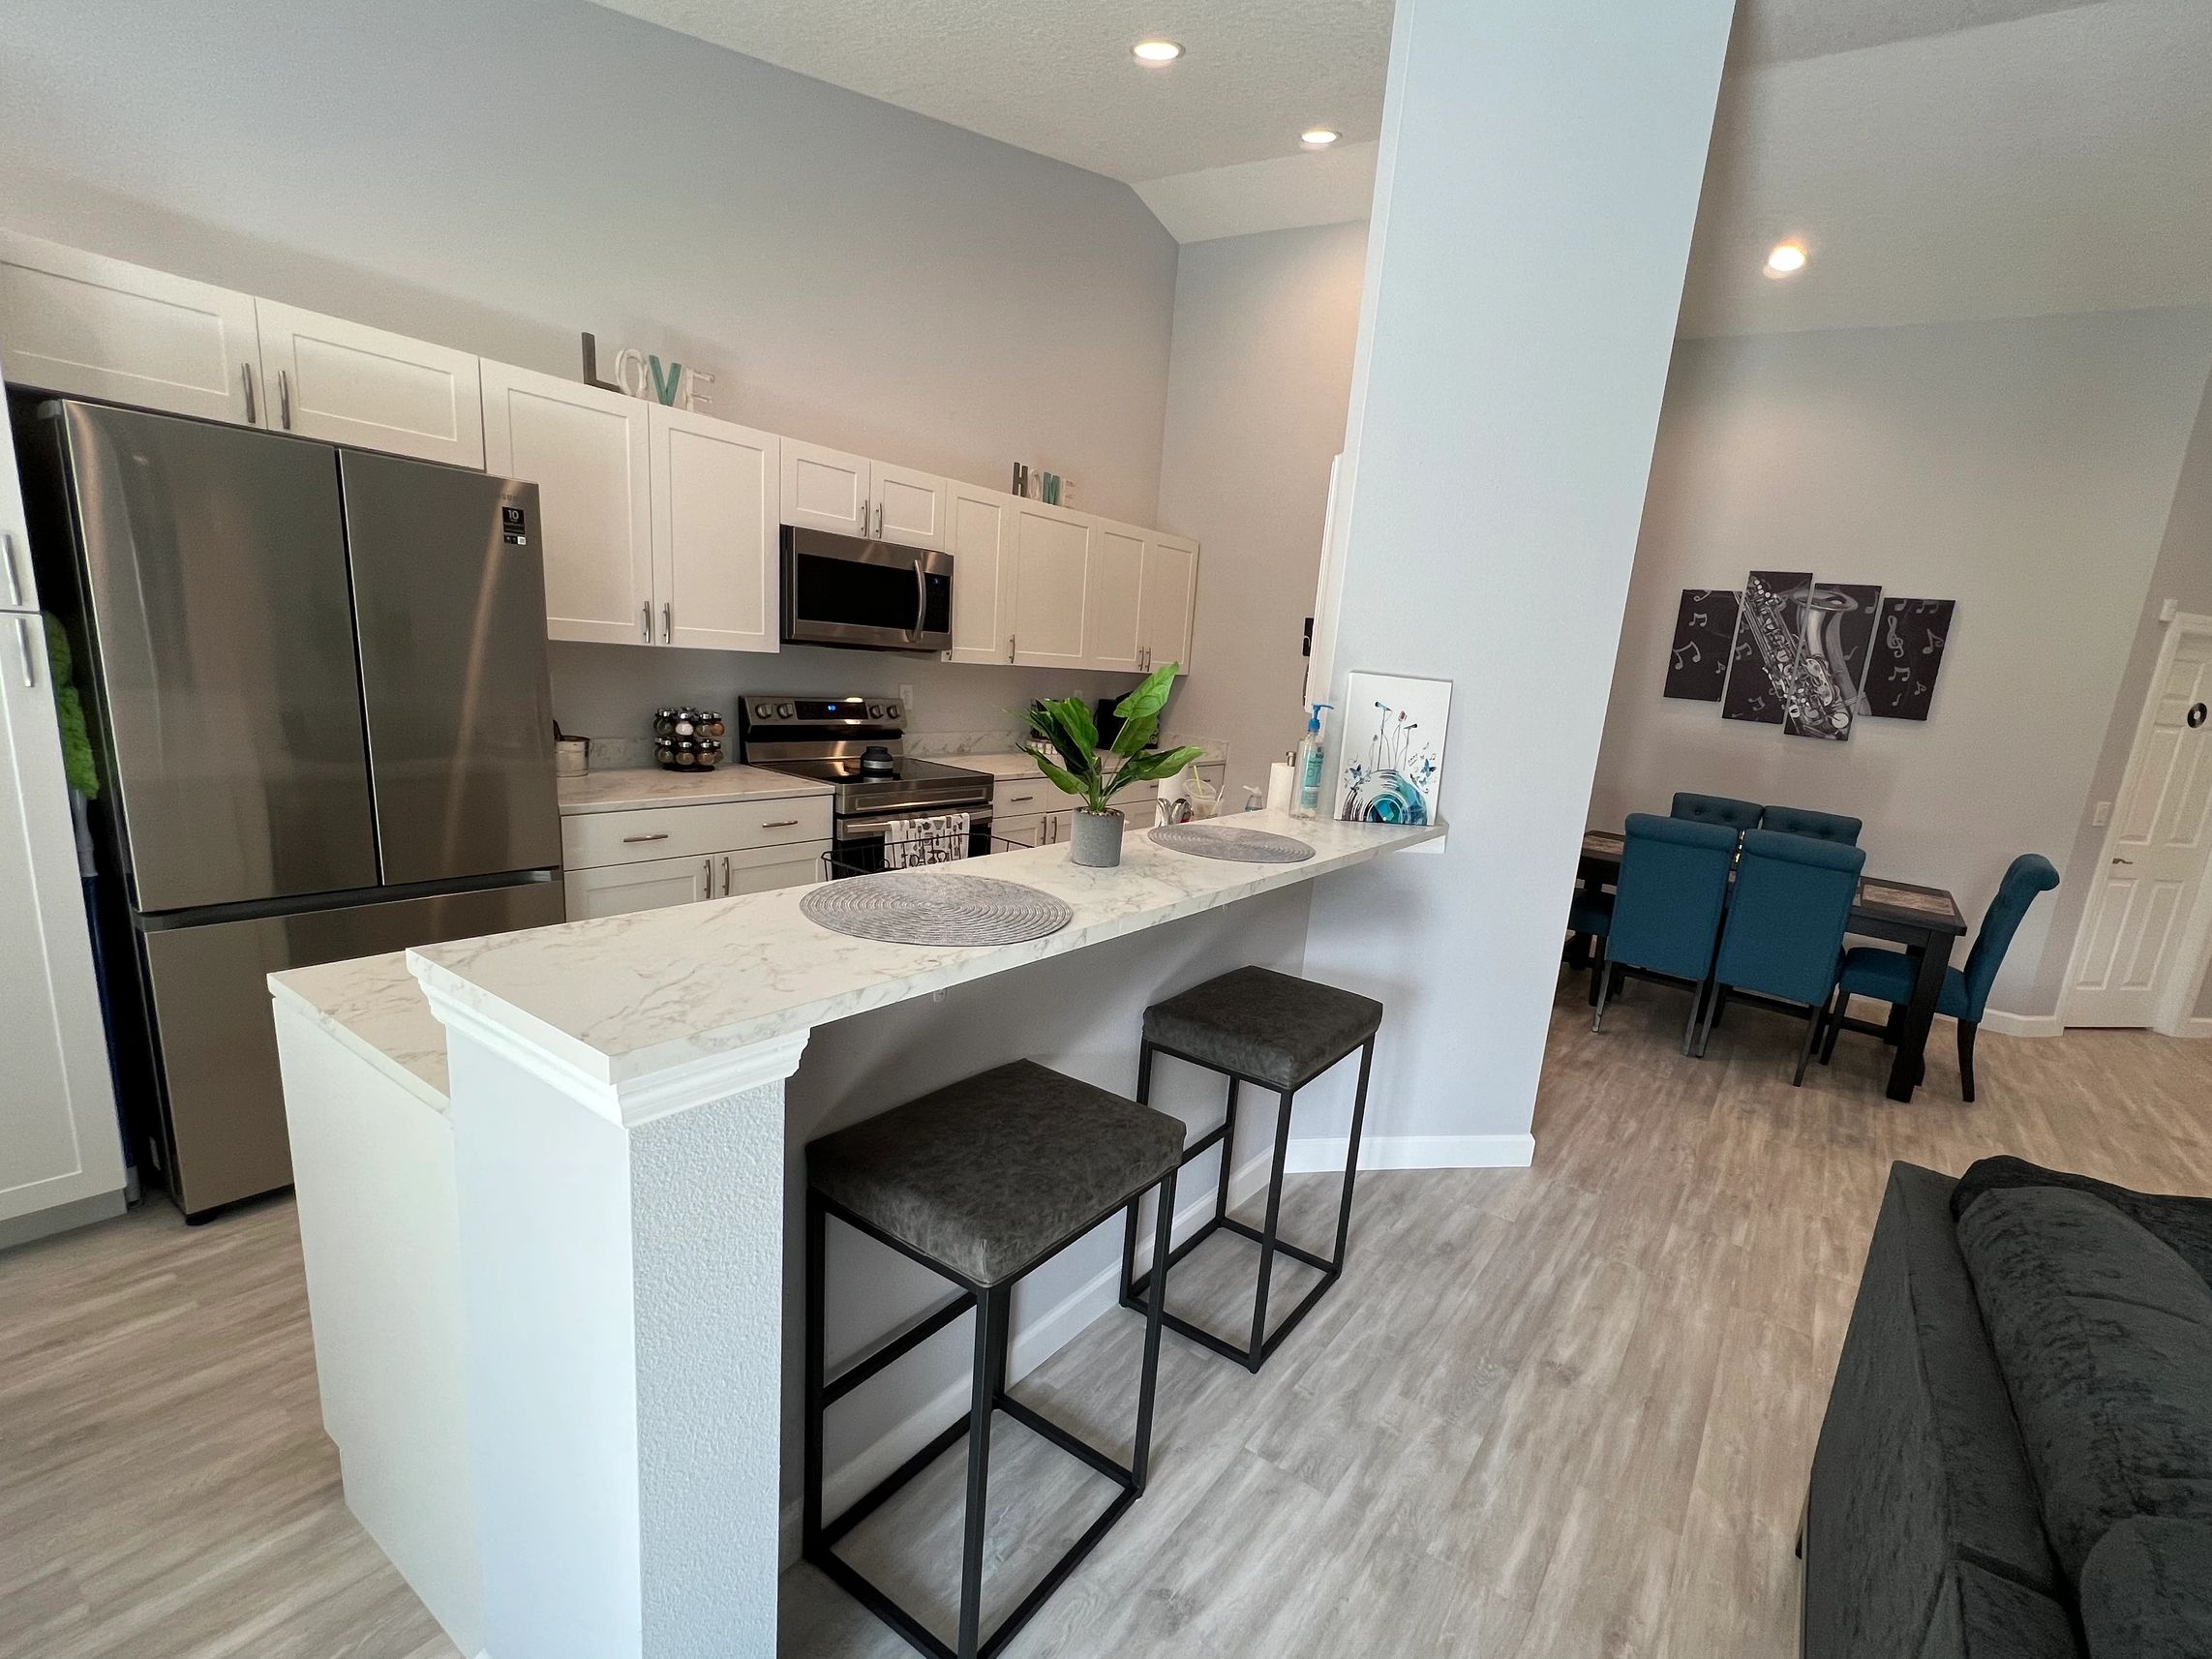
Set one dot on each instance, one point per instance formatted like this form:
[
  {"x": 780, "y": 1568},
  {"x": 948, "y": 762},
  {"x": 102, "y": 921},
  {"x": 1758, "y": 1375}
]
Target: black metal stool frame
[
  {"x": 994, "y": 1307},
  {"x": 1253, "y": 1354}
]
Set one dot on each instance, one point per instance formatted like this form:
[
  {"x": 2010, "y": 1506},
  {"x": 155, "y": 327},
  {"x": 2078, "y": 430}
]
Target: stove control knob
[
  {"x": 762, "y": 710},
  {"x": 785, "y": 710},
  {"x": 875, "y": 711},
  {"x": 891, "y": 710}
]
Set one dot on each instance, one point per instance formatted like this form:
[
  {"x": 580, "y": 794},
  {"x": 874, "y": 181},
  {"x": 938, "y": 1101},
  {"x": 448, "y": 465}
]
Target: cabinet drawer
[
  {"x": 1023, "y": 797},
  {"x": 590, "y": 841}
]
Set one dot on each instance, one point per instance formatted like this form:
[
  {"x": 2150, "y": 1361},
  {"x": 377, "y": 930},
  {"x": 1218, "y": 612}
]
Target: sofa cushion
[
  {"x": 2146, "y": 1591},
  {"x": 2184, "y": 1224},
  {"x": 1979, "y": 1615},
  {"x": 2104, "y": 1337},
  {"x": 1920, "y": 1463}
]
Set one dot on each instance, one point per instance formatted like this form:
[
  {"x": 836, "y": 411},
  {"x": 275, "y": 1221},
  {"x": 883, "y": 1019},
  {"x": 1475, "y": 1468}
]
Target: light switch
[{"x": 2104, "y": 815}]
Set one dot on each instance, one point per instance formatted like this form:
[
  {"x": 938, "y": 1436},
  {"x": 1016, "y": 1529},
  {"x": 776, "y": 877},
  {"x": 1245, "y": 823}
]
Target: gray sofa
[{"x": 2017, "y": 1461}]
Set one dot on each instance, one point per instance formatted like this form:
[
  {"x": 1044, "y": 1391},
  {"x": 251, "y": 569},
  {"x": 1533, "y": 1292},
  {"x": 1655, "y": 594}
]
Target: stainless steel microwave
[{"x": 842, "y": 591}]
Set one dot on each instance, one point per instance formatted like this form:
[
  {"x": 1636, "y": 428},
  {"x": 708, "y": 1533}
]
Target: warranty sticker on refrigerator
[{"x": 513, "y": 527}]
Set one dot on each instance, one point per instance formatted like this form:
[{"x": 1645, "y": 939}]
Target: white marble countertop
[
  {"x": 629, "y": 788},
  {"x": 374, "y": 1006},
  {"x": 1016, "y": 764},
  {"x": 621, "y": 998}
]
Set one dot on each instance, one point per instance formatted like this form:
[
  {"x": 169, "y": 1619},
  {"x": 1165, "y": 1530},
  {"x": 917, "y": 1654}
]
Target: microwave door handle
[{"x": 921, "y": 599}]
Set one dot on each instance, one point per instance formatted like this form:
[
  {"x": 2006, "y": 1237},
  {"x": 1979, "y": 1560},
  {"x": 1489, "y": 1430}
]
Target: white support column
[{"x": 622, "y": 1250}]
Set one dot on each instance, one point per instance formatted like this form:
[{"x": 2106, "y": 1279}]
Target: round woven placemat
[
  {"x": 928, "y": 907},
  {"x": 1227, "y": 841}
]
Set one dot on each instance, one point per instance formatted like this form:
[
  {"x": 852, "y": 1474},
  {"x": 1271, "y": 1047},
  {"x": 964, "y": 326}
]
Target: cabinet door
[
  {"x": 1169, "y": 602},
  {"x": 910, "y": 507},
  {"x": 77, "y": 323},
  {"x": 1113, "y": 595},
  {"x": 1024, "y": 830},
  {"x": 1058, "y": 828},
  {"x": 587, "y": 450},
  {"x": 348, "y": 383},
  {"x": 981, "y": 538},
  {"x": 616, "y": 889},
  {"x": 58, "y": 1141},
  {"x": 714, "y": 531},
  {"x": 760, "y": 869},
  {"x": 1052, "y": 566},
  {"x": 826, "y": 489}
]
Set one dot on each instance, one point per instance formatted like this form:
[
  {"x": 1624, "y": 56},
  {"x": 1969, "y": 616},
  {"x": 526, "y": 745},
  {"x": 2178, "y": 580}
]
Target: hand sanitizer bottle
[{"x": 1310, "y": 761}]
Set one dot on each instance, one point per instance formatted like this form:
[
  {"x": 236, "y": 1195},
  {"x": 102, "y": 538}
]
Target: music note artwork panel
[
  {"x": 1907, "y": 651},
  {"x": 1705, "y": 632},
  {"x": 1811, "y": 656}
]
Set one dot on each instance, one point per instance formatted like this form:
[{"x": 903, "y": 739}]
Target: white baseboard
[
  {"x": 2197, "y": 1025},
  {"x": 1315, "y": 1154},
  {"x": 2022, "y": 1024}
]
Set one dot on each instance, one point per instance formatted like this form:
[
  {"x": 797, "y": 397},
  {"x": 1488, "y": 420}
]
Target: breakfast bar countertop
[
  {"x": 626, "y": 789},
  {"x": 623, "y": 997}
]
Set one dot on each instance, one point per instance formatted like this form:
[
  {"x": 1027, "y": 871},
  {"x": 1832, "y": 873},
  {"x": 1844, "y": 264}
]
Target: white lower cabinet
[
  {"x": 649, "y": 885},
  {"x": 60, "y": 1152},
  {"x": 647, "y": 860}
]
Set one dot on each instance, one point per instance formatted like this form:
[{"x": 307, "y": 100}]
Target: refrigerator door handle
[{"x": 23, "y": 644}]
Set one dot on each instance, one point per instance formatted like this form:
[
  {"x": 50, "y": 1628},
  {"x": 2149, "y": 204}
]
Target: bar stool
[
  {"x": 1277, "y": 1032},
  {"x": 980, "y": 1182}
]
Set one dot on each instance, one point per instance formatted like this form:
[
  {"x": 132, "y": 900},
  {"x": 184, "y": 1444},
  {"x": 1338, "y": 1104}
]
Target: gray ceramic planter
[{"x": 1098, "y": 839}]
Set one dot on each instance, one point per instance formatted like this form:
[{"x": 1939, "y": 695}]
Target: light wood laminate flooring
[{"x": 1562, "y": 1411}]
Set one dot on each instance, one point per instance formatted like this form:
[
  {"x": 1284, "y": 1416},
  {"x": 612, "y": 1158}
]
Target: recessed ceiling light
[
  {"x": 1786, "y": 260},
  {"x": 1319, "y": 137},
  {"x": 1157, "y": 51}
]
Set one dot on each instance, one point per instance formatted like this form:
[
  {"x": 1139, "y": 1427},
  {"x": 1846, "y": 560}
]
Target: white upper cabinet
[
  {"x": 826, "y": 489},
  {"x": 714, "y": 531},
  {"x": 1112, "y": 588},
  {"x": 1052, "y": 566},
  {"x": 87, "y": 326},
  {"x": 979, "y": 524},
  {"x": 911, "y": 508},
  {"x": 1168, "y": 603},
  {"x": 345, "y": 382},
  {"x": 588, "y": 452}
]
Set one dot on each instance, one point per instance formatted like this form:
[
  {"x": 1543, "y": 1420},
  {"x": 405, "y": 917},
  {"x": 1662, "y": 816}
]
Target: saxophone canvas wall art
[
  {"x": 1811, "y": 656},
  {"x": 1393, "y": 748}
]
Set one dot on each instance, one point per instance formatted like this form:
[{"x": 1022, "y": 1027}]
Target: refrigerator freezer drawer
[{"x": 226, "y": 1113}]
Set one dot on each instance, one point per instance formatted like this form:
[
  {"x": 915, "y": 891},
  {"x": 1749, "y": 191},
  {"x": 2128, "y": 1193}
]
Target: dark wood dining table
[{"x": 1925, "y": 921}]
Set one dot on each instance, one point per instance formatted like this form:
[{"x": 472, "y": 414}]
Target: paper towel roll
[{"x": 1282, "y": 786}]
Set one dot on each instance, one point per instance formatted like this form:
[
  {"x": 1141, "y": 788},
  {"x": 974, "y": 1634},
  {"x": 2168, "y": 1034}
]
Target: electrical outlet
[
  {"x": 2168, "y": 609},
  {"x": 906, "y": 696},
  {"x": 2103, "y": 815}
]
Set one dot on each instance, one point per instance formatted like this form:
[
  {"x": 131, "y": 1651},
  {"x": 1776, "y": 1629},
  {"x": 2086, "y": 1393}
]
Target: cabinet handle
[
  {"x": 668, "y": 625},
  {"x": 1018, "y": 799},
  {"x": 246, "y": 374},
  {"x": 15, "y": 575},
  {"x": 781, "y": 824},
  {"x": 634, "y": 840},
  {"x": 284, "y": 397},
  {"x": 708, "y": 863},
  {"x": 726, "y": 875},
  {"x": 865, "y": 503},
  {"x": 1009, "y": 648},
  {"x": 879, "y": 521},
  {"x": 30, "y": 662}
]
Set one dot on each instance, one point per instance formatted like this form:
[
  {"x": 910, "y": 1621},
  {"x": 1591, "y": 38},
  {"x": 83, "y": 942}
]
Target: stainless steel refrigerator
[{"x": 316, "y": 683}]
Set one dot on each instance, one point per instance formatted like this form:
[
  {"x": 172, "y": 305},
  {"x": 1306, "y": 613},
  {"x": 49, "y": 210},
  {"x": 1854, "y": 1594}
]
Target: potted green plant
[{"x": 1066, "y": 749}]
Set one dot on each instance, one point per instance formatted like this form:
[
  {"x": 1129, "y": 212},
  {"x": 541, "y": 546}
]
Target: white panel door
[
  {"x": 714, "y": 488},
  {"x": 1113, "y": 598},
  {"x": 58, "y": 1141},
  {"x": 1169, "y": 601},
  {"x": 826, "y": 489},
  {"x": 588, "y": 451},
  {"x": 1052, "y": 566},
  {"x": 981, "y": 538},
  {"x": 2155, "y": 861},
  {"x": 77, "y": 324},
  {"x": 616, "y": 889},
  {"x": 910, "y": 507},
  {"x": 348, "y": 383}
]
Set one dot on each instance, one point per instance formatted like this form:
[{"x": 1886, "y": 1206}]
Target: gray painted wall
[
  {"x": 1256, "y": 392},
  {"x": 2026, "y": 469},
  {"x": 501, "y": 175}
]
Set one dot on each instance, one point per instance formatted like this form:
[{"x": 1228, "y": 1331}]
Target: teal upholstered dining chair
[
  {"x": 1666, "y": 907},
  {"x": 1784, "y": 939},
  {"x": 1887, "y": 975},
  {"x": 1804, "y": 821},
  {"x": 1720, "y": 809}
]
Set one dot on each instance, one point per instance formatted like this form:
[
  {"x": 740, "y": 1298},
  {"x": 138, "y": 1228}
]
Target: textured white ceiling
[
  {"x": 1787, "y": 31},
  {"x": 1056, "y": 77}
]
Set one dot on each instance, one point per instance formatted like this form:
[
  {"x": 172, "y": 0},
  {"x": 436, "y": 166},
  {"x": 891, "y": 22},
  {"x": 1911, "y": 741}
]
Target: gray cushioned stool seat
[
  {"x": 1253, "y": 1021},
  {"x": 989, "y": 1173}
]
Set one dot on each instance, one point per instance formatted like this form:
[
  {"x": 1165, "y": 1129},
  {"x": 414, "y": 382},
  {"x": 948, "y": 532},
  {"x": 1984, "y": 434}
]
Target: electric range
[{"x": 859, "y": 745}]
